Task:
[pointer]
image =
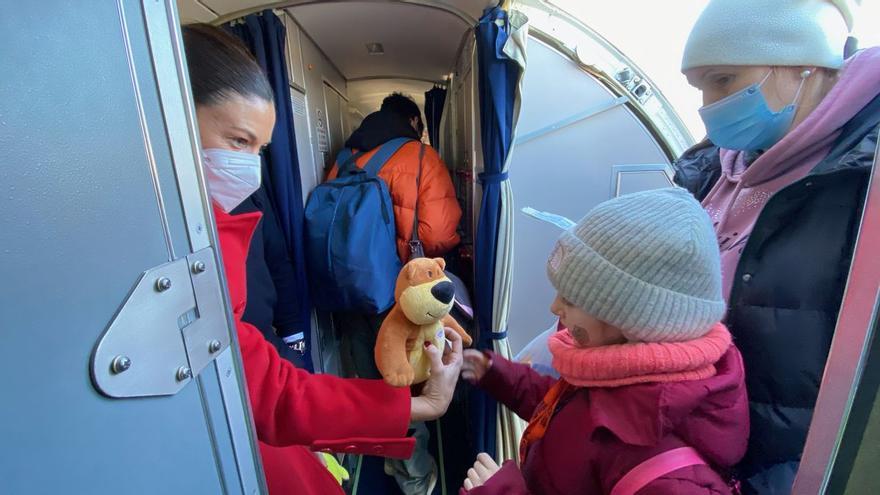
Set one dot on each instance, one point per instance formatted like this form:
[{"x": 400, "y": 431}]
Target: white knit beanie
[
  {"x": 647, "y": 263},
  {"x": 809, "y": 33}
]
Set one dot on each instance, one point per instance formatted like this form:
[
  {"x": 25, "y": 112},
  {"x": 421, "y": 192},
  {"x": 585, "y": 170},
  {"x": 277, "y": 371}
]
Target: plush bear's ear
[
  {"x": 412, "y": 270},
  {"x": 441, "y": 262}
]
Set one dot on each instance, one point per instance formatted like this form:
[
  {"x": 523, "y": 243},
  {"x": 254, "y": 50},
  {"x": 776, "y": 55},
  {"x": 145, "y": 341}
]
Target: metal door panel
[
  {"x": 239, "y": 474},
  {"x": 84, "y": 158},
  {"x": 157, "y": 131},
  {"x": 564, "y": 169},
  {"x": 333, "y": 114},
  {"x": 295, "y": 69},
  {"x": 839, "y": 455}
]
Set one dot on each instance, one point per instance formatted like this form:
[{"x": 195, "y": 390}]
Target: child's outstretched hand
[
  {"x": 483, "y": 469},
  {"x": 475, "y": 365}
]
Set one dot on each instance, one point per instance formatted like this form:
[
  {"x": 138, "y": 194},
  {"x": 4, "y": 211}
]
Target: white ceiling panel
[
  {"x": 367, "y": 96},
  {"x": 418, "y": 42},
  {"x": 474, "y": 8},
  {"x": 470, "y": 8},
  {"x": 224, "y": 7},
  {"x": 193, "y": 11}
]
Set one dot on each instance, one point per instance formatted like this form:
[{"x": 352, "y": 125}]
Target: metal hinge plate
[{"x": 172, "y": 325}]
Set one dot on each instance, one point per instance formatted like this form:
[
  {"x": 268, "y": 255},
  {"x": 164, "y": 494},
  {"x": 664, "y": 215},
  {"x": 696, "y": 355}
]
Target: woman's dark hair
[{"x": 220, "y": 66}]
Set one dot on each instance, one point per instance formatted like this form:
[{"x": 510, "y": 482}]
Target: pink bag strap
[{"x": 658, "y": 466}]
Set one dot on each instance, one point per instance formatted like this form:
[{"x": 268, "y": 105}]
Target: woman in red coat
[{"x": 295, "y": 412}]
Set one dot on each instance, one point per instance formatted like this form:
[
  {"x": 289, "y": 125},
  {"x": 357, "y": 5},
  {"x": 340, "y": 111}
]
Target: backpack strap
[
  {"x": 416, "y": 250},
  {"x": 346, "y": 161},
  {"x": 656, "y": 467},
  {"x": 344, "y": 156},
  {"x": 385, "y": 152}
]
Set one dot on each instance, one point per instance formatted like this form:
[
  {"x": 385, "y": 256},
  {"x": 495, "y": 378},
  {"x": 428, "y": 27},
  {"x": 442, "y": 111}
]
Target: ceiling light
[{"x": 375, "y": 49}]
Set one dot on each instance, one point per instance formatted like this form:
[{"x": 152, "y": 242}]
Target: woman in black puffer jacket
[{"x": 795, "y": 130}]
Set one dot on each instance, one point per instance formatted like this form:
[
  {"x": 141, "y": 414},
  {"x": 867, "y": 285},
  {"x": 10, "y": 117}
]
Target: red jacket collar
[
  {"x": 242, "y": 224},
  {"x": 234, "y": 233}
]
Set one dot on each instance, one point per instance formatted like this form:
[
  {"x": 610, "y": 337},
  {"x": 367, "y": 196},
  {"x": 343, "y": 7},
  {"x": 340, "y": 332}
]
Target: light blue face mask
[{"x": 743, "y": 121}]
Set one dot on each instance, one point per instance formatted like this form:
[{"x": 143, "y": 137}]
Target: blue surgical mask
[{"x": 743, "y": 121}]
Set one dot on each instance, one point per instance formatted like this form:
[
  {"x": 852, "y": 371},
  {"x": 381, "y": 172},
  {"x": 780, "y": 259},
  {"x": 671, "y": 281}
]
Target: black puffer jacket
[
  {"x": 271, "y": 282},
  {"x": 787, "y": 291}
]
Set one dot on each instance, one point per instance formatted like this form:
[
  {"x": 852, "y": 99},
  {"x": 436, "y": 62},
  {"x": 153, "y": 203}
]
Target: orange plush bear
[{"x": 424, "y": 296}]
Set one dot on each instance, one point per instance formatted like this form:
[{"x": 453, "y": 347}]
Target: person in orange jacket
[
  {"x": 439, "y": 212},
  {"x": 438, "y": 209},
  {"x": 295, "y": 412},
  {"x": 415, "y": 175}
]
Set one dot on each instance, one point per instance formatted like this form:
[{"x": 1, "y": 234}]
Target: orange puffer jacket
[{"x": 439, "y": 212}]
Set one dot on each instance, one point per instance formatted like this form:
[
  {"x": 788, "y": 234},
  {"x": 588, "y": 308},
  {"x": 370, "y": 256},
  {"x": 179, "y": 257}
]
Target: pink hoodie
[{"x": 741, "y": 192}]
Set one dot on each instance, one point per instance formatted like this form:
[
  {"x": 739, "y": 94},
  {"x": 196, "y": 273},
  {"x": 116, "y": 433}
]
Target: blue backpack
[{"x": 351, "y": 240}]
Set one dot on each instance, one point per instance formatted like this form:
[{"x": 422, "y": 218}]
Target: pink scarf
[{"x": 638, "y": 362}]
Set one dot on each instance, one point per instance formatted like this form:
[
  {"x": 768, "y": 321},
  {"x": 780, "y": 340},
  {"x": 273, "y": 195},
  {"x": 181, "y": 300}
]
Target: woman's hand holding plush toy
[{"x": 437, "y": 392}]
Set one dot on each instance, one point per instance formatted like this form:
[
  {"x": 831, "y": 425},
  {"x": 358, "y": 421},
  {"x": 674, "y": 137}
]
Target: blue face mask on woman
[{"x": 744, "y": 121}]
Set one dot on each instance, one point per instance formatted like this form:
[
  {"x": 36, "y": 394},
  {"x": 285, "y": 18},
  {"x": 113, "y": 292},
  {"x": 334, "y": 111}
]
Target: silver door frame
[
  {"x": 172, "y": 77},
  {"x": 848, "y": 355}
]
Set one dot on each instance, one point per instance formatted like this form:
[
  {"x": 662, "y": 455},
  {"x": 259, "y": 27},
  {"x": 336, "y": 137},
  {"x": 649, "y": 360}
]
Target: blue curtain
[
  {"x": 498, "y": 78},
  {"x": 434, "y": 101},
  {"x": 264, "y": 34}
]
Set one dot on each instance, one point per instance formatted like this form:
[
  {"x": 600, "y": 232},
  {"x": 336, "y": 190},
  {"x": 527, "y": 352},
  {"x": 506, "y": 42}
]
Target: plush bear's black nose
[{"x": 443, "y": 292}]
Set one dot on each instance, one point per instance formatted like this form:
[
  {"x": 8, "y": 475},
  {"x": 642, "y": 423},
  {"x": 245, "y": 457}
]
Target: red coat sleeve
[
  {"x": 324, "y": 412},
  {"x": 515, "y": 385},
  {"x": 507, "y": 481}
]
